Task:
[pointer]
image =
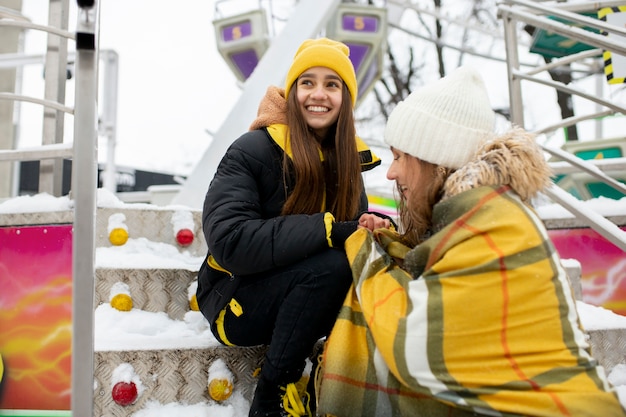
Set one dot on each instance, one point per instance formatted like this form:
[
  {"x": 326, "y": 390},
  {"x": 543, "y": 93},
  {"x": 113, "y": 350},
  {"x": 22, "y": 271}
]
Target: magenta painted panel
[
  {"x": 36, "y": 317},
  {"x": 603, "y": 266}
]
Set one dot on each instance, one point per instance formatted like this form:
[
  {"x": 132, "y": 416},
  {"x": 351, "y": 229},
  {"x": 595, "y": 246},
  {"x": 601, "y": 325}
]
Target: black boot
[
  {"x": 273, "y": 400},
  {"x": 267, "y": 401}
]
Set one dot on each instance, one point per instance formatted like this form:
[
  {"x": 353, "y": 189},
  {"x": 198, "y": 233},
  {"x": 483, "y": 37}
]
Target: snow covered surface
[
  {"x": 138, "y": 329},
  {"x": 143, "y": 330},
  {"x": 155, "y": 254}
]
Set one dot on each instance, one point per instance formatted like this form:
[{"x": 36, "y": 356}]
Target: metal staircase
[{"x": 542, "y": 15}]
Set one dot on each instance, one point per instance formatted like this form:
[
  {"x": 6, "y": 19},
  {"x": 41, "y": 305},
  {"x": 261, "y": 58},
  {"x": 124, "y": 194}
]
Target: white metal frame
[
  {"x": 84, "y": 186},
  {"x": 513, "y": 12}
]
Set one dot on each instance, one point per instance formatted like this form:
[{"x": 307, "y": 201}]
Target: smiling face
[
  {"x": 409, "y": 174},
  {"x": 319, "y": 94}
]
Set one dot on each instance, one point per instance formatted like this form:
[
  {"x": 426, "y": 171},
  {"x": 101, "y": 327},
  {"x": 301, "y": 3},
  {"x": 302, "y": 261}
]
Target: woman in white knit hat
[{"x": 467, "y": 311}]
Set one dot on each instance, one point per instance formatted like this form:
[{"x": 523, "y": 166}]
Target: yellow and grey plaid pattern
[{"x": 488, "y": 325}]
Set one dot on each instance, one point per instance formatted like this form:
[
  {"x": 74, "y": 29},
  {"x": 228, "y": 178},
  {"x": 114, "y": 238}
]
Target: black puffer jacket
[{"x": 242, "y": 224}]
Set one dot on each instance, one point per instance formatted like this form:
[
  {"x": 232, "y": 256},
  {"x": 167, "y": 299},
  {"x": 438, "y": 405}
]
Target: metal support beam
[
  {"x": 537, "y": 14},
  {"x": 306, "y": 21},
  {"x": 108, "y": 121},
  {"x": 512, "y": 65},
  {"x": 51, "y": 171},
  {"x": 11, "y": 41},
  {"x": 84, "y": 185}
]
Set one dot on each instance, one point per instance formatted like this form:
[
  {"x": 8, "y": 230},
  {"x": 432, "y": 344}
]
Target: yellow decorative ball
[
  {"x": 118, "y": 236},
  {"x": 122, "y": 302},
  {"x": 220, "y": 389},
  {"x": 193, "y": 303},
  {"x": 1, "y": 368}
]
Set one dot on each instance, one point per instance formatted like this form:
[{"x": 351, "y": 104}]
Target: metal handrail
[
  {"x": 571, "y": 90},
  {"x": 566, "y": 14},
  {"x": 514, "y": 11},
  {"x": 56, "y": 150},
  {"x": 13, "y": 60},
  {"x": 594, "y": 39},
  {"x": 46, "y": 103},
  {"x": 28, "y": 25},
  {"x": 570, "y": 121},
  {"x": 591, "y": 53},
  {"x": 597, "y": 222},
  {"x": 6, "y": 12},
  {"x": 586, "y": 167},
  {"x": 606, "y": 164}
]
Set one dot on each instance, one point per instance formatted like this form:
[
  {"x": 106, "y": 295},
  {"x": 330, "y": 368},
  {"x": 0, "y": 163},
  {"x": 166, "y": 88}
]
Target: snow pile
[
  {"x": 144, "y": 253},
  {"x": 142, "y": 330},
  {"x": 599, "y": 318}
]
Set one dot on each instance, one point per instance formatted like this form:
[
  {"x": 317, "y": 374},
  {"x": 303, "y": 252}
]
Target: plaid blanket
[{"x": 479, "y": 319}]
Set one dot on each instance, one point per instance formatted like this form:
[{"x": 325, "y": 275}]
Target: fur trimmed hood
[
  {"x": 513, "y": 159},
  {"x": 272, "y": 109}
]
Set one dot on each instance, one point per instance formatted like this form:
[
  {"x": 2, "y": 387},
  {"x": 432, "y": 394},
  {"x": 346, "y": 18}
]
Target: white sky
[{"x": 173, "y": 84}]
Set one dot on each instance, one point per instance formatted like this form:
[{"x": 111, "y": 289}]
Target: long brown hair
[
  {"x": 333, "y": 185},
  {"x": 416, "y": 213}
]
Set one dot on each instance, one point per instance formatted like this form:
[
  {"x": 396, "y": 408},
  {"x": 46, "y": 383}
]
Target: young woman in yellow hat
[{"x": 283, "y": 200}]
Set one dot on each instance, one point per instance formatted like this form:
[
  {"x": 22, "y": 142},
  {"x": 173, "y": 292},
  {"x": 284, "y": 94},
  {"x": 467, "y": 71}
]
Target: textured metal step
[
  {"x": 153, "y": 290},
  {"x": 153, "y": 224},
  {"x": 608, "y": 346},
  {"x": 175, "y": 375}
]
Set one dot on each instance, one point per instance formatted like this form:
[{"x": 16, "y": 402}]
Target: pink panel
[{"x": 36, "y": 317}]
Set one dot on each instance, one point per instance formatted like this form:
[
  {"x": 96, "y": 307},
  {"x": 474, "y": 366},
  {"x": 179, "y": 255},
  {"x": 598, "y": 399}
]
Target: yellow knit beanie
[{"x": 323, "y": 52}]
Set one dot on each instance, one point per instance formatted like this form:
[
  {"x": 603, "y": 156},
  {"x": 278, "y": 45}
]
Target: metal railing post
[
  {"x": 108, "y": 122},
  {"x": 84, "y": 186},
  {"x": 51, "y": 170},
  {"x": 512, "y": 65}
]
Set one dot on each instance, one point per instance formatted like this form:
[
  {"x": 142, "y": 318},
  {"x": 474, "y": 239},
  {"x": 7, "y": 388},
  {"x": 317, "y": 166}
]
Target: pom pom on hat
[
  {"x": 445, "y": 122},
  {"x": 323, "y": 52}
]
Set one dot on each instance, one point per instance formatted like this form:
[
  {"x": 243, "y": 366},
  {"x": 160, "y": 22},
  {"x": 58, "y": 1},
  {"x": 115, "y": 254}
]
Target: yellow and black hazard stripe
[{"x": 609, "y": 70}]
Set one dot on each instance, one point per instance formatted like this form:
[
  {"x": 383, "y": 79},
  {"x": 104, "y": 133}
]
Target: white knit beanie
[{"x": 445, "y": 122}]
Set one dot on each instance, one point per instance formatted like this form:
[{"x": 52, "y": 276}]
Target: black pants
[{"x": 289, "y": 309}]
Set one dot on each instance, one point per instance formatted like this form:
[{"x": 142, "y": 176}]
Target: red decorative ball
[
  {"x": 124, "y": 393},
  {"x": 184, "y": 237}
]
